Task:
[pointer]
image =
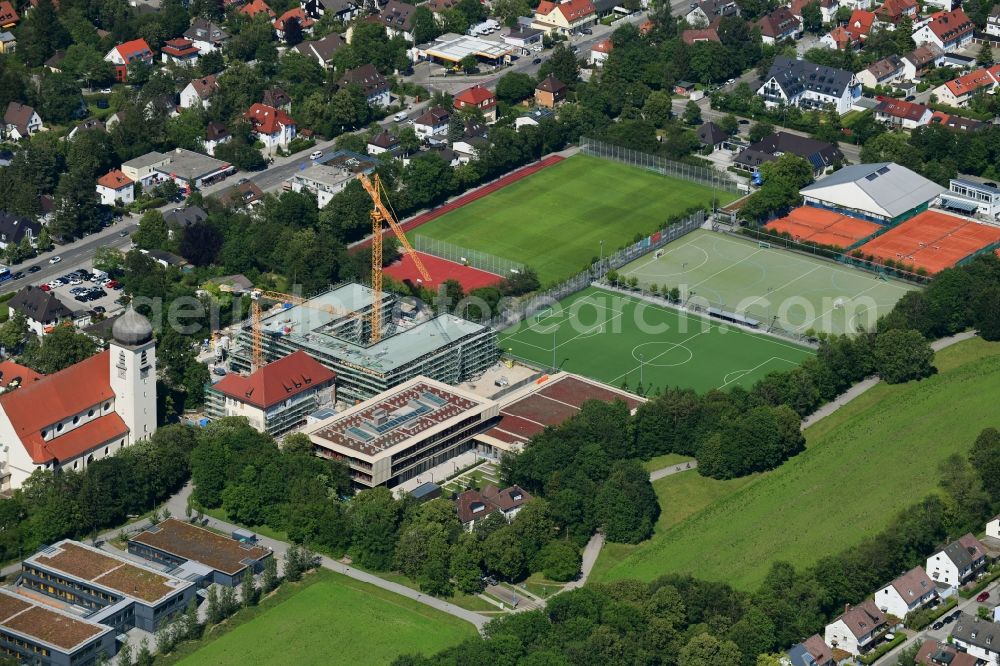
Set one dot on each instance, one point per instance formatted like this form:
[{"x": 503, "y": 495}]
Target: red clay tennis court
[
  {"x": 440, "y": 270},
  {"x": 824, "y": 227},
  {"x": 933, "y": 241}
]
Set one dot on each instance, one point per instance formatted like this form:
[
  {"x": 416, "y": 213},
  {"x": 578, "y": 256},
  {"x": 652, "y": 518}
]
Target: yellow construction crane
[{"x": 382, "y": 213}]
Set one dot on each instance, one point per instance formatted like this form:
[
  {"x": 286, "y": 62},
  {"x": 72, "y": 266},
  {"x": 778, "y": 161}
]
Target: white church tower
[{"x": 133, "y": 374}]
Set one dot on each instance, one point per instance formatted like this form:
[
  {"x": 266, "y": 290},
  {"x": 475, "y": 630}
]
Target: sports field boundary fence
[
  {"x": 518, "y": 310},
  {"x": 462, "y": 255},
  {"x": 706, "y": 176}
]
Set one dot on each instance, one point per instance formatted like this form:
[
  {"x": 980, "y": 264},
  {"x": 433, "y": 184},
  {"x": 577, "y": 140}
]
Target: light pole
[
  {"x": 554, "y": 349},
  {"x": 602, "y": 253}
]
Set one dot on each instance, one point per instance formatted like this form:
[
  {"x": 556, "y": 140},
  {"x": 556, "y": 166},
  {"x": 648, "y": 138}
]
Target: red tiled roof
[
  {"x": 206, "y": 85},
  {"x": 8, "y": 14},
  {"x": 114, "y": 179},
  {"x": 949, "y": 26},
  {"x": 573, "y": 10},
  {"x": 64, "y": 394},
  {"x": 842, "y": 37},
  {"x": 972, "y": 81},
  {"x": 266, "y": 119},
  {"x": 931, "y": 649},
  {"x": 861, "y": 22},
  {"x": 864, "y": 618},
  {"x": 136, "y": 49},
  {"x": 276, "y": 381},
  {"x": 605, "y": 46},
  {"x": 296, "y": 12},
  {"x": 9, "y": 370},
  {"x": 179, "y": 47},
  {"x": 78, "y": 441},
  {"x": 695, "y": 35},
  {"x": 895, "y": 9},
  {"x": 257, "y": 7},
  {"x": 778, "y": 23},
  {"x": 474, "y": 96},
  {"x": 899, "y": 108}
]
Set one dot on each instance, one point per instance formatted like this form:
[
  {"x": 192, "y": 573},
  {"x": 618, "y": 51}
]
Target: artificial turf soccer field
[
  {"x": 554, "y": 220},
  {"x": 616, "y": 339},
  {"x": 738, "y": 275}
]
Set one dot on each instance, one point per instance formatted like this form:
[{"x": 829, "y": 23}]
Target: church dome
[{"x": 132, "y": 329}]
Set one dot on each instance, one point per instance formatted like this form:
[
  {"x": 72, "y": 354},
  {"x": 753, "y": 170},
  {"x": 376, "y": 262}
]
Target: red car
[
  {"x": 45, "y": 287},
  {"x": 983, "y": 597}
]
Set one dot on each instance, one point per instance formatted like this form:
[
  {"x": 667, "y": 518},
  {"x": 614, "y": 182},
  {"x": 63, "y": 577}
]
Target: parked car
[
  {"x": 399, "y": 116},
  {"x": 983, "y": 597},
  {"x": 937, "y": 625},
  {"x": 123, "y": 234},
  {"x": 219, "y": 370},
  {"x": 889, "y": 637},
  {"x": 316, "y": 154},
  {"x": 45, "y": 287},
  {"x": 55, "y": 260},
  {"x": 586, "y": 31},
  {"x": 536, "y": 61},
  {"x": 100, "y": 309}
]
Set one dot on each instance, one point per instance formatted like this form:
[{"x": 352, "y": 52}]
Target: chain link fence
[
  {"x": 689, "y": 172},
  {"x": 462, "y": 255}
]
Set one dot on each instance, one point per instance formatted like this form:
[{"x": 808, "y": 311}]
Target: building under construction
[{"x": 446, "y": 348}]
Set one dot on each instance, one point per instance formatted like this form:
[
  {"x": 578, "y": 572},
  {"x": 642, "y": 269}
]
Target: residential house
[
  {"x": 180, "y": 51},
  {"x": 324, "y": 181},
  {"x": 474, "y": 506},
  {"x": 993, "y": 24},
  {"x": 606, "y": 8},
  {"x": 322, "y": 49},
  {"x": 827, "y": 8},
  {"x": 257, "y": 8},
  {"x": 342, "y": 10},
  {"x": 550, "y": 92},
  {"x": 993, "y": 528},
  {"x": 206, "y": 36},
  {"x": 820, "y": 154},
  {"x": 238, "y": 196},
  {"x": 86, "y": 126},
  {"x": 806, "y": 85},
  {"x": 14, "y": 229},
  {"x": 125, "y": 55},
  {"x": 273, "y": 127},
  {"x": 277, "y": 98},
  {"x": 8, "y": 43},
  {"x": 198, "y": 91},
  {"x": 861, "y": 22},
  {"x": 525, "y": 38},
  {"x": 41, "y": 309},
  {"x": 182, "y": 218},
  {"x": 917, "y": 62},
  {"x": 949, "y": 31},
  {"x": 600, "y": 51},
  {"x": 433, "y": 122},
  {"x": 779, "y": 25},
  {"x": 115, "y": 186},
  {"x": 978, "y": 637},
  {"x": 468, "y": 149},
  {"x": 958, "y": 92},
  {"x": 958, "y": 562},
  {"x": 840, "y": 38},
  {"x": 397, "y": 17},
  {"x": 883, "y": 72},
  {"x": 166, "y": 259},
  {"x": 710, "y": 134},
  {"x": 8, "y": 15},
  {"x": 958, "y": 123},
  {"x": 813, "y": 651},
  {"x": 893, "y": 11},
  {"x": 908, "y": 593},
  {"x": 20, "y": 121},
  {"x": 216, "y": 134},
  {"x": 932, "y": 653},
  {"x": 902, "y": 114},
  {"x": 857, "y": 629},
  {"x": 564, "y": 18},
  {"x": 383, "y": 142},
  {"x": 295, "y": 14},
  {"x": 533, "y": 118},
  {"x": 439, "y": 6},
  {"x": 509, "y": 501},
  {"x": 694, "y": 35},
  {"x": 478, "y": 97},
  {"x": 707, "y": 11},
  {"x": 374, "y": 85}
]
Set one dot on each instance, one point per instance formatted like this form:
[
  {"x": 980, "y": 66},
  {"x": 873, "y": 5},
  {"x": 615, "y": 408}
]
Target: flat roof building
[
  {"x": 884, "y": 192},
  {"x": 176, "y": 543},
  {"x": 180, "y": 165},
  {"x": 973, "y": 196},
  {"x": 403, "y": 432},
  {"x": 110, "y": 589},
  {"x": 323, "y": 180},
  {"x": 451, "y": 48},
  {"x": 34, "y": 633}
]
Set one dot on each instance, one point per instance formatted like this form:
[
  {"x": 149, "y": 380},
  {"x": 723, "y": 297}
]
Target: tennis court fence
[
  {"x": 706, "y": 176},
  {"x": 462, "y": 255}
]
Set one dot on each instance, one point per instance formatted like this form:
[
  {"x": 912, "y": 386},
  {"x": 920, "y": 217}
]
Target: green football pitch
[
  {"x": 739, "y": 275},
  {"x": 555, "y": 220},
  {"x": 619, "y": 339}
]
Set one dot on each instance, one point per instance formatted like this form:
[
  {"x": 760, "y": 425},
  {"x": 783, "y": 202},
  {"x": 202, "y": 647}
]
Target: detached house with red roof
[
  {"x": 902, "y": 114},
  {"x": 89, "y": 411},
  {"x": 8, "y": 15},
  {"x": 958, "y": 92},
  {"x": 272, "y": 126},
  {"x": 949, "y": 31},
  {"x": 858, "y": 629},
  {"x": 910, "y": 592},
  {"x": 296, "y": 13},
  {"x": 115, "y": 186},
  {"x": 564, "y": 18},
  {"x": 125, "y": 55},
  {"x": 256, "y": 7},
  {"x": 478, "y": 97},
  {"x": 600, "y": 51},
  {"x": 892, "y": 11},
  {"x": 276, "y": 398},
  {"x": 180, "y": 51},
  {"x": 474, "y": 506}
]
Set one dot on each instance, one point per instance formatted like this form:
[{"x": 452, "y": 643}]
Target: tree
[
  {"x": 269, "y": 578},
  {"x": 248, "y": 591},
  {"x": 293, "y": 31},
  {"x": 903, "y": 35},
  {"x": 707, "y": 650},
  {"x": 465, "y": 558},
  {"x": 658, "y": 108},
  {"x": 812, "y": 17},
  {"x": 152, "y": 233},
  {"x": 125, "y": 655},
  {"x": 692, "y": 113},
  {"x": 40, "y": 34},
  {"x": 503, "y": 554},
  {"x": 469, "y": 64},
  {"x": 44, "y": 243},
  {"x": 375, "y": 518},
  {"x": 13, "y": 332},
  {"x": 509, "y": 10},
  {"x": 559, "y": 560},
  {"x": 77, "y": 206},
  {"x": 60, "y": 97},
  {"x": 626, "y": 504},
  {"x": 985, "y": 55},
  {"x": 562, "y": 65},
  {"x": 902, "y": 355},
  {"x": 962, "y": 484},
  {"x": 425, "y": 27},
  {"x": 145, "y": 656},
  {"x": 759, "y": 130},
  {"x": 728, "y": 124},
  {"x": 514, "y": 87},
  {"x": 985, "y": 459},
  {"x": 59, "y": 349}
]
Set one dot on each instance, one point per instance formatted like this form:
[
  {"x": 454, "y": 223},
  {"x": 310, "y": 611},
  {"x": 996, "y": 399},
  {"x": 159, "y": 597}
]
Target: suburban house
[
  {"x": 180, "y": 51},
  {"x": 125, "y": 55},
  {"x": 910, "y": 592},
  {"x": 198, "y": 91},
  {"x": 779, "y": 25},
  {"x": 902, "y": 114},
  {"x": 206, "y": 36},
  {"x": 958, "y": 123},
  {"x": 374, "y": 85},
  {"x": 86, "y": 126},
  {"x": 993, "y": 528},
  {"x": 473, "y": 506},
  {"x": 806, "y": 85},
  {"x": 383, "y": 142},
  {"x": 533, "y": 118},
  {"x": 827, "y": 8},
  {"x": 14, "y": 229},
  {"x": 397, "y": 17},
  {"x": 8, "y": 42},
  {"x": 820, "y": 154},
  {"x": 992, "y": 32},
  {"x": 979, "y": 638},
  {"x": 706, "y": 11},
  {"x": 294, "y": 14},
  {"x": 892, "y": 11},
  {"x": 115, "y": 186},
  {"x": 324, "y": 181},
  {"x": 550, "y": 92},
  {"x": 257, "y": 7},
  {"x": 8, "y": 15},
  {"x": 710, "y": 134},
  {"x": 958, "y": 92},
  {"x": 600, "y": 51},
  {"x": 216, "y": 134},
  {"x": 883, "y": 72},
  {"x": 42, "y": 309},
  {"x": 277, "y": 98},
  {"x": 478, "y": 97},
  {"x": 322, "y": 49},
  {"x": 273, "y": 127},
  {"x": 343, "y": 10},
  {"x": 949, "y": 31},
  {"x": 564, "y": 18},
  {"x": 919, "y": 60},
  {"x": 813, "y": 651},
  {"x": 277, "y": 397},
  {"x": 840, "y": 39},
  {"x": 958, "y": 562},
  {"x": 692, "y": 36},
  {"x": 182, "y": 218},
  {"x": 432, "y": 122},
  {"x": 20, "y": 121},
  {"x": 861, "y": 22},
  {"x": 858, "y": 629},
  {"x": 932, "y": 653}
]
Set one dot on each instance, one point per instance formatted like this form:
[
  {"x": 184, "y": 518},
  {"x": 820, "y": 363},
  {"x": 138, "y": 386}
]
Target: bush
[
  {"x": 560, "y": 560},
  {"x": 972, "y": 590},
  {"x": 881, "y": 650},
  {"x": 917, "y": 620}
]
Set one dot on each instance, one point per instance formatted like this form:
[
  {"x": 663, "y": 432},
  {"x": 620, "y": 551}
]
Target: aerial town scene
[{"x": 500, "y": 332}]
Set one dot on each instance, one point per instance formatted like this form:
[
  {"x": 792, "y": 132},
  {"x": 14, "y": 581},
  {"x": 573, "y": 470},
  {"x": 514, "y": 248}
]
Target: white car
[
  {"x": 54, "y": 285},
  {"x": 399, "y": 117},
  {"x": 316, "y": 154},
  {"x": 55, "y": 260}
]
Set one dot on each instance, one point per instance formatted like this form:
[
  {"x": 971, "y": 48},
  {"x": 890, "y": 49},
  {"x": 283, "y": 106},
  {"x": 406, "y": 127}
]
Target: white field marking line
[
  {"x": 563, "y": 319},
  {"x": 749, "y": 256},
  {"x": 822, "y": 314},
  {"x": 693, "y": 241},
  {"x": 747, "y": 306},
  {"x": 589, "y": 330},
  {"x": 744, "y": 373},
  {"x": 673, "y": 346},
  {"x": 711, "y": 324}
]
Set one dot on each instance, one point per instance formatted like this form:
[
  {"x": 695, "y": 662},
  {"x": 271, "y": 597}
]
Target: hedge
[
  {"x": 878, "y": 652},
  {"x": 922, "y": 618},
  {"x": 969, "y": 592}
]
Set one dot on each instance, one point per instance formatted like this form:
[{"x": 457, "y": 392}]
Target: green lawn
[
  {"x": 862, "y": 465},
  {"x": 554, "y": 221},
  {"x": 616, "y": 339},
  {"x": 336, "y": 620}
]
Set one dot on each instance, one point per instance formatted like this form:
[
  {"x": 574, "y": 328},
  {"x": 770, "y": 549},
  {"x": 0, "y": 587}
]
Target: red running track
[{"x": 440, "y": 270}]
